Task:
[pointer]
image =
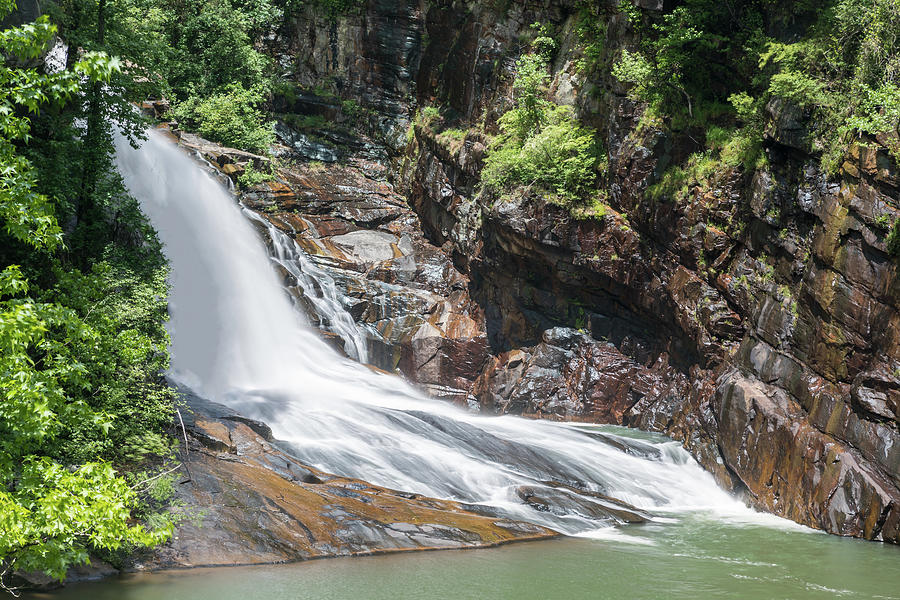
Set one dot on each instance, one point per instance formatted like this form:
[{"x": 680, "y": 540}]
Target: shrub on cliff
[
  {"x": 559, "y": 157},
  {"x": 840, "y": 69},
  {"x": 893, "y": 240},
  {"x": 531, "y": 109},
  {"x": 230, "y": 117},
  {"x": 542, "y": 145}
]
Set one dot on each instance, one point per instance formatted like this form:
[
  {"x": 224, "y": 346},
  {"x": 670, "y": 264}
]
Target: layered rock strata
[{"x": 756, "y": 318}]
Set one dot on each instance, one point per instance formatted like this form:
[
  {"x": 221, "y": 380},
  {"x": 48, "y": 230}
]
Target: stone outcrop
[
  {"x": 370, "y": 57},
  {"x": 411, "y": 302},
  {"x": 569, "y": 376}
]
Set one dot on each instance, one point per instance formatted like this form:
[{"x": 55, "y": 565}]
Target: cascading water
[
  {"x": 237, "y": 340},
  {"x": 317, "y": 286}
]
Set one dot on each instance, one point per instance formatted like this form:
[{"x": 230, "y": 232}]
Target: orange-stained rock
[
  {"x": 251, "y": 503},
  {"x": 232, "y": 169}
]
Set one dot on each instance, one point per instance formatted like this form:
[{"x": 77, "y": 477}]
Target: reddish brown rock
[
  {"x": 568, "y": 375},
  {"x": 250, "y": 503}
]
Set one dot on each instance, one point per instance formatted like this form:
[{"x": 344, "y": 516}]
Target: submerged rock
[{"x": 564, "y": 500}]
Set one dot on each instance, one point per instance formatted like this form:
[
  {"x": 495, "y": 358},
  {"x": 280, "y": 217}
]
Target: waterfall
[
  {"x": 237, "y": 339},
  {"x": 318, "y": 288}
]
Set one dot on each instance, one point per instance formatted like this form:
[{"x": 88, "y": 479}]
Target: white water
[
  {"x": 318, "y": 288},
  {"x": 238, "y": 340}
]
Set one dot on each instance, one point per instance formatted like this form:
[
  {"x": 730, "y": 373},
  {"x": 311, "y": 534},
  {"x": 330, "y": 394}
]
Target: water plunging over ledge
[
  {"x": 237, "y": 339},
  {"x": 317, "y": 286}
]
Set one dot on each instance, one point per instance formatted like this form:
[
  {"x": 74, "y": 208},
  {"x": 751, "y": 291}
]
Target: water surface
[{"x": 693, "y": 558}]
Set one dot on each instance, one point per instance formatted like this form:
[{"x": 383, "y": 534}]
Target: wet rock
[
  {"x": 305, "y": 147},
  {"x": 878, "y": 392},
  {"x": 767, "y": 440},
  {"x": 368, "y": 56},
  {"x": 368, "y": 246},
  {"x": 254, "y": 504},
  {"x": 257, "y": 427},
  {"x": 94, "y": 570},
  {"x": 407, "y": 295},
  {"x": 562, "y": 501}
]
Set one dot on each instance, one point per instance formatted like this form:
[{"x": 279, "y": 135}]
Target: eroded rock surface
[
  {"x": 251, "y": 503},
  {"x": 755, "y": 319}
]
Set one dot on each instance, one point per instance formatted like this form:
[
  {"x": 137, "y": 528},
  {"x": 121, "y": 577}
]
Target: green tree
[
  {"x": 81, "y": 135},
  {"x": 217, "y": 75},
  {"x": 840, "y": 68},
  {"x": 541, "y": 145},
  {"x": 701, "y": 51},
  {"x": 530, "y": 89},
  {"x": 51, "y": 513}
]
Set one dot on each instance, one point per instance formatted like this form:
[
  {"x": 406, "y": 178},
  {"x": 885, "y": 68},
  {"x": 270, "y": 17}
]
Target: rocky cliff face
[{"x": 756, "y": 319}]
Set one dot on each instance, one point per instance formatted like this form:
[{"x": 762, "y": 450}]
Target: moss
[
  {"x": 596, "y": 209},
  {"x": 252, "y": 176},
  {"x": 452, "y": 139},
  {"x": 301, "y": 122},
  {"x": 726, "y": 150},
  {"x": 428, "y": 116},
  {"x": 893, "y": 240}
]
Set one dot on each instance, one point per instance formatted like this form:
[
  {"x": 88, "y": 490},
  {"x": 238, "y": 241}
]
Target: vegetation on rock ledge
[
  {"x": 709, "y": 63},
  {"x": 542, "y": 145}
]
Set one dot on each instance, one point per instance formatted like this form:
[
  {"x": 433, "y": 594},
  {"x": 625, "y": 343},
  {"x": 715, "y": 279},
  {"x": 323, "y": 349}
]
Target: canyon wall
[{"x": 756, "y": 319}]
